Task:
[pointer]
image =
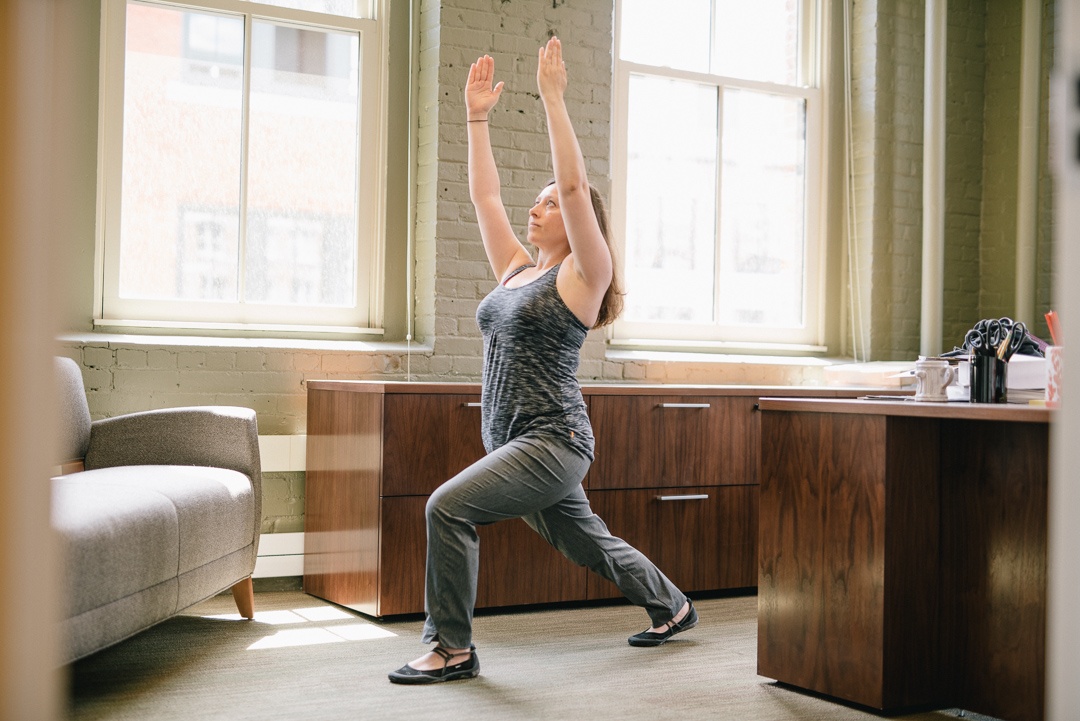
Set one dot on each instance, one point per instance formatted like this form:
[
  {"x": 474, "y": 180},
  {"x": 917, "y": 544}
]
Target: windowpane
[
  {"x": 179, "y": 234},
  {"x": 716, "y": 215},
  {"x": 763, "y": 209},
  {"x": 302, "y": 167},
  {"x": 240, "y": 150},
  {"x": 671, "y": 200},
  {"x": 758, "y": 40},
  {"x": 343, "y": 8},
  {"x": 673, "y": 34}
]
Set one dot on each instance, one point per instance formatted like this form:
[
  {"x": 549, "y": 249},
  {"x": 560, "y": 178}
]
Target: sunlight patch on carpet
[
  {"x": 313, "y": 631},
  {"x": 321, "y": 635},
  {"x": 297, "y": 615}
]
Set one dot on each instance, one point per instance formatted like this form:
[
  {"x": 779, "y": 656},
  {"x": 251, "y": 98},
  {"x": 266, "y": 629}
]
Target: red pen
[{"x": 1052, "y": 325}]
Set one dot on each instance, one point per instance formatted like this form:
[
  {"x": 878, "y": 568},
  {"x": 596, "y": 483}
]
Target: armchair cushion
[
  {"x": 118, "y": 540},
  {"x": 217, "y": 436}
]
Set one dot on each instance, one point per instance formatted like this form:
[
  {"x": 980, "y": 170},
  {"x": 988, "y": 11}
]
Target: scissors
[{"x": 1001, "y": 337}]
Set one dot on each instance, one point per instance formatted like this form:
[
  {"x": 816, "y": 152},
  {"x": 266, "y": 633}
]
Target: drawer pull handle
[
  {"x": 694, "y": 497},
  {"x": 685, "y": 405},
  {"x": 471, "y": 405}
]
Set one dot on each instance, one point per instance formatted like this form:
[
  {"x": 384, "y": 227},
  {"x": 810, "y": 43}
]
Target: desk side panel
[
  {"x": 913, "y": 673},
  {"x": 994, "y": 508},
  {"x": 821, "y": 546},
  {"x": 341, "y": 519}
]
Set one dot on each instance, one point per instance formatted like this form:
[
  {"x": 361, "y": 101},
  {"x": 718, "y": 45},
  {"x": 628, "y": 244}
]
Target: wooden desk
[{"x": 903, "y": 553}]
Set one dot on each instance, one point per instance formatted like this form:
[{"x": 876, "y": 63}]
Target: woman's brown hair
[{"x": 612, "y": 304}]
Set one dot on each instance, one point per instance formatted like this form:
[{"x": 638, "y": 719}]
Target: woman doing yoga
[{"x": 534, "y": 423}]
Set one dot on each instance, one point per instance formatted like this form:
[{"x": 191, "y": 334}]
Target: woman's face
[{"x": 546, "y": 227}]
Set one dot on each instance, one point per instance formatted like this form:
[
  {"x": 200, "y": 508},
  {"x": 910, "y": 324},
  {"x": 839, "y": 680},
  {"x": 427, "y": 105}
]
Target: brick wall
[
  {"x": 887, "y": 88},
  {"x": 965, "y": 103},
  {"x": 511, "y": 32},
  {"x": 998, "y": 250},
  {"x": 982, "y": 92},
  {"x": 1044, "y": 247}
]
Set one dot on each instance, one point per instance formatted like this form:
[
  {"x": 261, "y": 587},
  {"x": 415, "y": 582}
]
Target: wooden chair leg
[{"x": 243, "y": 593}]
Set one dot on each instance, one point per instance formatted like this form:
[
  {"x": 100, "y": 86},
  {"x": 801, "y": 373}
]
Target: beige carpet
[{"x": 305, "y": 659}]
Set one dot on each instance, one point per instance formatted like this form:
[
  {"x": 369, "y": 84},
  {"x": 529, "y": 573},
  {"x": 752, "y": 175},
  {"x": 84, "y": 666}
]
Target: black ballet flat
[
  {"x": 466, "y": 669},
  {"x": 647, "y": 638}
]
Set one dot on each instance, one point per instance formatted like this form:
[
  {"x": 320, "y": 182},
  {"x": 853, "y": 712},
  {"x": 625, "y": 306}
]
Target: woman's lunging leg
[
  {"x": 579, "y": 534},
  {"x": 520, "y": 478}
]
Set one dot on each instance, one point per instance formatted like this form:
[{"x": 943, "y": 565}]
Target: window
[
  {"x": 240, "y": 161},
  {"x": 717, "y": 135}
]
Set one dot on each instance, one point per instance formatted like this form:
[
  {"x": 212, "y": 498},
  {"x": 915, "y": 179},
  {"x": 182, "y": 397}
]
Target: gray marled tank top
[{"x": 531, "y": 351}]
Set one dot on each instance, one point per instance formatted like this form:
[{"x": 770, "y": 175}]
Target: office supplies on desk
[
  {"x": 1003, "y": 346},
  {"x": 1054, "y": 328},
  {"x": 989, "y": 376},
  {"x": 988, "y": 335},
  {"x": 1026, "y": 373},
  {"x": 1002, "y": 338},
  {"x": 1053, "y": 376},
  {"x": 933, "y": 376}
]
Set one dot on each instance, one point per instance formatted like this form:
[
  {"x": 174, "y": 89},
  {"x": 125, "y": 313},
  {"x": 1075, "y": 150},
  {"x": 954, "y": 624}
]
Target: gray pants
[{"x": 539, "y": 480}]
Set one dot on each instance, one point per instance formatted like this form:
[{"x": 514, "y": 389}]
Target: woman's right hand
[
  {"x": 480, "y": 96},
  {"x": 551, "y": 70}
]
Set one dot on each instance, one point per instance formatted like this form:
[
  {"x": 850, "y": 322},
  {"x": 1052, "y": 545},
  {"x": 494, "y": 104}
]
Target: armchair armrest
[{"x": 218, "y": 436}]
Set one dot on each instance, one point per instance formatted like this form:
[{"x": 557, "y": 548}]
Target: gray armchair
[{"x": 162, "y": 510}]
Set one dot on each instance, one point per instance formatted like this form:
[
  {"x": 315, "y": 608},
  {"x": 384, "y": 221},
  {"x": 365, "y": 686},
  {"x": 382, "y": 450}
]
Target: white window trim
[
  {"x": 714, "y": 337},
  {"x": 366, "y": 318}
]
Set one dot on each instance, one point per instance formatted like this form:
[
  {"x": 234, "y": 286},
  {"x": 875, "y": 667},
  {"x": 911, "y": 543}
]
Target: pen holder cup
[
  {"x": 1053, "y": 375},
  {"x": 988, "y": 379}
]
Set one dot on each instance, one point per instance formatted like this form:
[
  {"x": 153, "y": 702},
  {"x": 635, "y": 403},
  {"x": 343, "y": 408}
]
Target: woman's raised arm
[
  {"x": 591, "y": 256},
  {"x": 504, "y": 251}
]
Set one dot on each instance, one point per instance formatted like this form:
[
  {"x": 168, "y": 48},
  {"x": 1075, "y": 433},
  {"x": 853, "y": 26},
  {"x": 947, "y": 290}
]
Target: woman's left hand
[{"x": 551, "y": 71}]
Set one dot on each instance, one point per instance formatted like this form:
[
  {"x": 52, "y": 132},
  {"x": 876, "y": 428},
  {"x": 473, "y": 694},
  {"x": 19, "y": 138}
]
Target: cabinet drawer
[
  {"x": 702, "y": 538},
  {"x": 673, "y": 441},
  {"x": 517, "y": 566},
  {"x": 428, "y": 439}
]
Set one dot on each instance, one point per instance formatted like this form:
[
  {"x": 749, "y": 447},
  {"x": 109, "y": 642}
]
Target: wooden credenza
[
  {"x": 903, "y": 553},
  {"x": 676, "y": 475}
]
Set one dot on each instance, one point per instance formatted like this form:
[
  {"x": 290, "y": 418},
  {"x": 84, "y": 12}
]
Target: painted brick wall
[
  {"x": 887, "y": 51},
  {"x": 965, "y": 102},
  {"x": 998, "y": 251},
  {"x": 1045, "y": 278},
  {"x": 511, "y": 32},
  {"x": 983, "y": 48}
]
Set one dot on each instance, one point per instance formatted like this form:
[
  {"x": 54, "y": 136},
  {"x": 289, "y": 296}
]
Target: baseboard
[
  {"x": 280, "y": 454},
  {"x": 280, "y": 554},
  {"x": 277, "y": 585}
]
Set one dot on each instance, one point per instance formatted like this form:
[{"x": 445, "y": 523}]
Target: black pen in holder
[{"x": 988, "y": 378}]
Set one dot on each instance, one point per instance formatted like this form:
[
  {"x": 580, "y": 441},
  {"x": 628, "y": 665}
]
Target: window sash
[
  {"x": 807, "y": 336},
  {"x": 365, "y": 317}
]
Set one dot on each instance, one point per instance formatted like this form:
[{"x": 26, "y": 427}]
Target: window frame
[
  {"x": 365, "y": 318},
  {"x": 666, "y": 335}
]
